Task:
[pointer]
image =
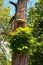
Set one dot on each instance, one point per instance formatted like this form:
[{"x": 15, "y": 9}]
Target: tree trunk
[
  {"x": 20, "y": 21},
  {"x": 19, "y": 60},
  {"x": 15, "y": 59}
]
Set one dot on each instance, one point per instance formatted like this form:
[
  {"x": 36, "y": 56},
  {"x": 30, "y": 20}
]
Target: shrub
[{"x": 20, "y": 40}]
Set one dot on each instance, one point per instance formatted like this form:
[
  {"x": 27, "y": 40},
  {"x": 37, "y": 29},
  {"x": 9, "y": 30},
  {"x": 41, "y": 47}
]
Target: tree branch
[{"x": 13, "y": 3}]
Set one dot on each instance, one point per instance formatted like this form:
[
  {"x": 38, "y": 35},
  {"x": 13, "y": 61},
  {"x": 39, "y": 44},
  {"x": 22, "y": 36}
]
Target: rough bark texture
[
  {"x": 19, "y": 60},
  {"x": 15, "y": 59},
  {"x": 21, "y": 10},
  {"x": 23, "y": 59}
]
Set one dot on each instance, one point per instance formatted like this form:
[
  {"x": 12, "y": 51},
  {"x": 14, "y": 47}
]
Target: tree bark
[
  {"x": 20, "y": 60},
  {"x": 15, "y": 59}
]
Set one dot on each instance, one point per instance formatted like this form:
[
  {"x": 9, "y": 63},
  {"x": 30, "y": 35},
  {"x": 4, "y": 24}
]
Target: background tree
[
  {"x": 35, "y": 16},
  {"x": 4, "y": 22}
]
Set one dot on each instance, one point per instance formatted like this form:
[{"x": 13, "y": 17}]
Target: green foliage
[
  {"x": 2, "y": 56},
  {"x": 4, "y": 14},
  {"x": 36, "y": 54},
  {"x": 8, "y": 62},
  {"x": 4, "y": 28},
  {"x": 1, "y": 2},
  {"x": 20, "y": 40},
  {"x": 4, "y": 18},
  {"x": 35, "y": 17},
  {"x": 31, "y": 15}
]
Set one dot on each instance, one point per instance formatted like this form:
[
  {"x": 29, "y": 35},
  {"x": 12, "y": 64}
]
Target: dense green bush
[{"x": 20, "y": 40}]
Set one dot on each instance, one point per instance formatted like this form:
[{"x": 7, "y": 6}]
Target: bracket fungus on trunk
[{"x": 20, "y": 15}]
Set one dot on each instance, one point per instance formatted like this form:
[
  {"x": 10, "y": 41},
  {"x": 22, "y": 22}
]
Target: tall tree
[{"x": 20, "y": 21}]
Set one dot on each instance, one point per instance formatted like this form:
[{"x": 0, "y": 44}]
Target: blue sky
[{"x": 12, "y": 8}]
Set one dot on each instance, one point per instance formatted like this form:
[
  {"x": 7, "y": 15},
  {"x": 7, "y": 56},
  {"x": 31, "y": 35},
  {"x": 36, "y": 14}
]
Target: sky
[{"x": 12, "y": 8}]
